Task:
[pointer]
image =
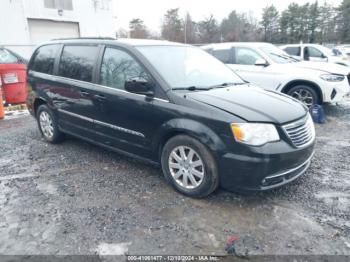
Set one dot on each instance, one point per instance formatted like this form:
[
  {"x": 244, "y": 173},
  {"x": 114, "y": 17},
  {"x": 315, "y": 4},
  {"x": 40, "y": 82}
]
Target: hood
[
  {"x": 325, "y": 67},
  {"x": 339, "y": 60},
  {"x": 252, "y": 104}
]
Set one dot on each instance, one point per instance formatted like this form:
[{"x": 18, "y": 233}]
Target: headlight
[
  {"x": 332, "y": 77},
  {"x": 254, "y": 134}
]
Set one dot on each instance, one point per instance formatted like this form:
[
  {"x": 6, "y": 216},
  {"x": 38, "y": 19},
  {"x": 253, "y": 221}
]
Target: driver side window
[
  {"x": 313, "y": 52},
  {"x": 246, "y": 56},
  {"x": 117, "y": 67}
]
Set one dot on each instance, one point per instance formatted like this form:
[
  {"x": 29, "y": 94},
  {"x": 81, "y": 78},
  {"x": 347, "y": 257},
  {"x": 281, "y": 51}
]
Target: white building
[{"x": 26, "y": 23}]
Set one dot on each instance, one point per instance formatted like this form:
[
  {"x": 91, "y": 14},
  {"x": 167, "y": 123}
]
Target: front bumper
[
  {"x": 265, "y": 168},
  {"x": 285, "y": 177},
  {"x": 337, "y": 92}
]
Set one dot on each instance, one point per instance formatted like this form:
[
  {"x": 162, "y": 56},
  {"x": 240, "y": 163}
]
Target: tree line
[{"x": 311, "y": 23}]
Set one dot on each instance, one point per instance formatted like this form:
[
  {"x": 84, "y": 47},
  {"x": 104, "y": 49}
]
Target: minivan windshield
[{"x": 189, "y": 67}]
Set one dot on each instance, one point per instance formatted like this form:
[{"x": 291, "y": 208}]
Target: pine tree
[{"x": 270, "y": 23}]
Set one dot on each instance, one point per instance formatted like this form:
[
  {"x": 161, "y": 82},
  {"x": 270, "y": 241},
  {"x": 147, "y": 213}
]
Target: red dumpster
[
  {"x": 2, "y": 113},
  {"x": 14, "y": 80}
]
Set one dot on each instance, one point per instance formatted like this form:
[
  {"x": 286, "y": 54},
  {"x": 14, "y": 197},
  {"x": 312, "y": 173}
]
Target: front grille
[{"x": 301, "y": 132}]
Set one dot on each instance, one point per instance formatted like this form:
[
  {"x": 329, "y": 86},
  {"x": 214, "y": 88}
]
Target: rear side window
[
  {"x": 117, "y": 67},
  {"x": 77, "y": 62},
  {"x": 44, "y": 59},
  {"x": 294, "y": 51},
  {"x": 224, "y": 55}
]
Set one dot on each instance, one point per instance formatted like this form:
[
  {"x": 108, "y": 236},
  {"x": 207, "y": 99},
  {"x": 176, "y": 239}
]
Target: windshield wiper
[
  {"x": 228, "y": 84},
  {"x": 285, "y": 57},
  {"x": 190, "y": 88},
  {"x": 194, "y": 88}
]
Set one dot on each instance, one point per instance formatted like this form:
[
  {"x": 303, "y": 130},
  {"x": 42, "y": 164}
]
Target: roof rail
[{"x": 87, "y": 38}]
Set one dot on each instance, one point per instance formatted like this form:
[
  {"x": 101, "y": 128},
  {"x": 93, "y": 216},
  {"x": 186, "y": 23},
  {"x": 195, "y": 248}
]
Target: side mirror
[
  {"x": 261, "y": 62},
  {"x": 139, "y": 85}
]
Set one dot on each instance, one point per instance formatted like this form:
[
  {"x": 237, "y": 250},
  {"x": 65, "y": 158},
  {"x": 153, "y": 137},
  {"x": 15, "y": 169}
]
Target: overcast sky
[{"x": 152, "y": 11}]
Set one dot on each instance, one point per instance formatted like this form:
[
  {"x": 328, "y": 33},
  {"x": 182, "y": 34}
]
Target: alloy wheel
[
  {"x": 186, "y": 167},
  {"x": 304, "y": 96},
  {"x": 46, "y": 124}
]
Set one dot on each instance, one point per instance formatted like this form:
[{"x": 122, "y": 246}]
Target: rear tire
[
  {"x": 48, "y": 125},
  {"x": 189, "y": 166},
  {"x": 305, "y": 94}
]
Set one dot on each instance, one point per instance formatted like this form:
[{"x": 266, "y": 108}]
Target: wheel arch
[
  {"x": 311, "y": 84},
  {"x": 38, "y": 102},
  {"x": 191, "y": 128}
]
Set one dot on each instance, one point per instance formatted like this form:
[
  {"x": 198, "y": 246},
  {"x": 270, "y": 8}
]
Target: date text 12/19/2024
[{"x": 172, "y": 258}]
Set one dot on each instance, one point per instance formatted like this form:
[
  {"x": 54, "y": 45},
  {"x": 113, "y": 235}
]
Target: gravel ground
[{"x": 76, "y": 198}]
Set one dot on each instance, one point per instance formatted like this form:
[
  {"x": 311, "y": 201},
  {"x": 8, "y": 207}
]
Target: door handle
[
  {"x": 100, "y": 97},
  {"x": 83, "y": 93}
]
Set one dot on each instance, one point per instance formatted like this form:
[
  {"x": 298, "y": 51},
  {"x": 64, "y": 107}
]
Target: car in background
[
  {"x": 269, "y": 67},
  {"x": 315, "y": 53},
  {"x": 174, "y": 105},
  {"x": 9, "y": 57},
  {"x": 343, "y": 50}
]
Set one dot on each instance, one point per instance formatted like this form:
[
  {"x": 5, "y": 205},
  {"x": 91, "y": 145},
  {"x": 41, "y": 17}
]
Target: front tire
[
  {"x": 305, "y": 94},
  {"x": 189, "y": 166},
  {"x": 48, "y": 125}
]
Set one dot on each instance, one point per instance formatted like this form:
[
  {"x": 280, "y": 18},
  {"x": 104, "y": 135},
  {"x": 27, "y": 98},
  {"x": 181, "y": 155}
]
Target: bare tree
[
  {"x": 138, "y": 29},
  {"x": 209, "y": 30},
  {"x": 173, "y": 26},
  {"x": 122, "y": 33}
]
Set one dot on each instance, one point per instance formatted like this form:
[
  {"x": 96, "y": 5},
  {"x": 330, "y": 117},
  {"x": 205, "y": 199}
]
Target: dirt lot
[{"x": 75, "y": 198}]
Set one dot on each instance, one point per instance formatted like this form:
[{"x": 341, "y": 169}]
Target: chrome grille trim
[
  {"x": 302, "y": 132},
  {"x": 292, "y": 169},
  {"x": 301, "y": 169}
]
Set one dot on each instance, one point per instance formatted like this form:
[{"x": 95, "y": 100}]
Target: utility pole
[{"x": 185, "y": 31}]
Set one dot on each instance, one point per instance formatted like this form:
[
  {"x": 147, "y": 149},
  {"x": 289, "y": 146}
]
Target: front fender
[{"x": 191, "y": 128}]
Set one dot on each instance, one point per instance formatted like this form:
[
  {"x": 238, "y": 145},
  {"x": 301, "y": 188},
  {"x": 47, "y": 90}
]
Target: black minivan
[{"x": 171, "y": 104}]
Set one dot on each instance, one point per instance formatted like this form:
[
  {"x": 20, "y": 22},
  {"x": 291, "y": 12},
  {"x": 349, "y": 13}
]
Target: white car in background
[
  {"x": 315, "y": 53},
  {"x": 343, "y": 49},
  {"x": 269, "y": 67}
]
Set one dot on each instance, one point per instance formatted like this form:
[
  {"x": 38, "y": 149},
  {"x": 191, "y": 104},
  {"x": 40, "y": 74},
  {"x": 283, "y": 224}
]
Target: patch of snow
[
  {"x": 105, "y": 249},
  {"x": 16, "y": 114}
]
